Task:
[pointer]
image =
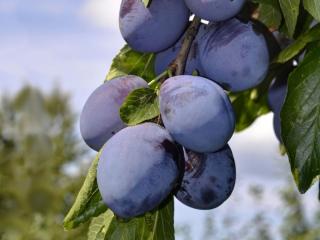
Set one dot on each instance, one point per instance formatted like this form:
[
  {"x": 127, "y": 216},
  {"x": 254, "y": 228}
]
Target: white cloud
[{"x": 103, "y": 13}]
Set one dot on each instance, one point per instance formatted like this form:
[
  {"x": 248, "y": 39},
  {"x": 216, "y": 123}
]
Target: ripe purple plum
[
  {"x": 234, "y": 54},
  {"x": 155, "y": 28},
  {"x": 197, "y": 112},
  {"x": 138, "y": 169},
  {"x": 276, "y": 97},
  {"x": 209, "y": 179},
  {"x": 215, "y": 10},
  {"x": 100, "y": 118}
]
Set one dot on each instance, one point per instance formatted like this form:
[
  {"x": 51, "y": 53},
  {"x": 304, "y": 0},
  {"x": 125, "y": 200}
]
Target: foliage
[{"x": 37, "y": 147}]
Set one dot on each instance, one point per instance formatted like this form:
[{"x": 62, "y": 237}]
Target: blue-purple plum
[
  {"x": 277, "y": 94},
  {"x": 208, "y": 180},
  {"x": 277, "y": 126},
  {"x": 197, "y": 112},
  {"x": 164, "y": 58},
  {"x": 138, "y": 169},
  {"x": 234, "y": 54},
  {"x": 276, "y": 97},
  {"x": 215, "y": 10},
  {"x": 155, "y": 28},
  {"x": 100, "y": 118}
]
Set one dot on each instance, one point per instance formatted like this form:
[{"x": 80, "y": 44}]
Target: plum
[
  {"x": 155, "y": 28},
  {"x": 164, "y": 58},
  {"x": 138, "y": 168},
  {"x": 234, "y": 54},
  {"x": 276, "y": 97},
  {"x": 215, "y": 10},
  {"x": 277, "y": 126},
  {"x": 277, "y": 94},
  {"x": 197, "y": 112},
  {"x": 209, "y": 179},
  {"x": 100, "y": 118}
]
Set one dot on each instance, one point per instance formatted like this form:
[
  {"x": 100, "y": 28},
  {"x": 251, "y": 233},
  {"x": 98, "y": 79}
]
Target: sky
[{"x": 71, "y": 44}]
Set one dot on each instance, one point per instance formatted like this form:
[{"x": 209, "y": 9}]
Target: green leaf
[
  {"x": 131, "y": 62},
  {"x": 300, "y": 121},
  {"x": 88, "y": 203},
  {"x": 313, "y": 7},
  {"x": 290, "y": 10},
  {"x": 99, "y": 225},
  {"x": 296, "y": 47},
  {"x": 248, "y": 106},
  {"x": 269, "y": 13},
  {"x": 140, "y": 105},
  {"x": 157, "y": 225}
]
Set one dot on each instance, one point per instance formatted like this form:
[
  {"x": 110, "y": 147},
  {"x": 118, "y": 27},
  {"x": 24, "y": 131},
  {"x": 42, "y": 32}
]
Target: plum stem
[
  {"x": 159, "y": 77},
  {"x": 178, "y": 65}
]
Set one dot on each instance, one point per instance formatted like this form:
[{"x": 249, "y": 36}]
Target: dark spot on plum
[
  {"x": 213, "y": 179},
  {"x": 208, "y": 196},
  {"x": 126, "y": 7},
  {"x": 167, "y": 110},
  {"x": 186, "y": 182},
  {"x": 113, "y": 132}
]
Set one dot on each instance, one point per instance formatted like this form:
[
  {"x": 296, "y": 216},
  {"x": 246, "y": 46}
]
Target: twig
[{"x": 178, "y": 65}]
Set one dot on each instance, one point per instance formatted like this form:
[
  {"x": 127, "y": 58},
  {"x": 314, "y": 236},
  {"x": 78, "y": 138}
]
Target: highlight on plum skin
[
  {"x": 100, "y": 118},
  {"x": 155, "y": 28},
  {"x": 197, "y": 113},
  {"x": 138, "y": 169},
  {"x": 209, "y": 178}
]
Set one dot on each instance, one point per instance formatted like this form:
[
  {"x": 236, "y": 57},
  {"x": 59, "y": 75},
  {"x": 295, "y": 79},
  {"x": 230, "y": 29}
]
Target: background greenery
[{"x": 38, "y": 147}]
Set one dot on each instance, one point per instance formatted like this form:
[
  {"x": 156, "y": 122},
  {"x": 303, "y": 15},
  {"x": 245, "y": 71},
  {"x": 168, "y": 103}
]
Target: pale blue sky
[{"x": 71, "y": 44}]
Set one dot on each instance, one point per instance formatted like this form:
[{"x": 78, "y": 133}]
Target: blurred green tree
[
  {"x": 38, "y": 153},
  {"x": 295, "y": 225}
]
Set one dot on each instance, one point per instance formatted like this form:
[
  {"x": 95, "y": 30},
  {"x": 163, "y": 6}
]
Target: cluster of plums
[{"x": 140, "y": 166}]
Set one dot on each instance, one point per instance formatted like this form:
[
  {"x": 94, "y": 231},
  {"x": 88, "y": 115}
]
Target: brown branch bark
[{"x": 178, "y": 65}]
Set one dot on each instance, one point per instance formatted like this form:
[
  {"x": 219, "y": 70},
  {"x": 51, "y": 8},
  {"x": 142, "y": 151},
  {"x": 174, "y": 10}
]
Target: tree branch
[{"x": 177, "y": 67}]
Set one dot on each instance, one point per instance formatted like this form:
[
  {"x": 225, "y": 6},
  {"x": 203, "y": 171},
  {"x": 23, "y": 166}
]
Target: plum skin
[
  {"x": 100, "y": 118},
  {"x": 197, "y": 112},
  {"x": 209, "y": 179},
  {"x": 276, "y": 97},
  {"x": 215, "y": 10},
  {"x": 234, "y": 54},
  {"x": 155, "y": 28},
  {"x": 137, "y": 169}
]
